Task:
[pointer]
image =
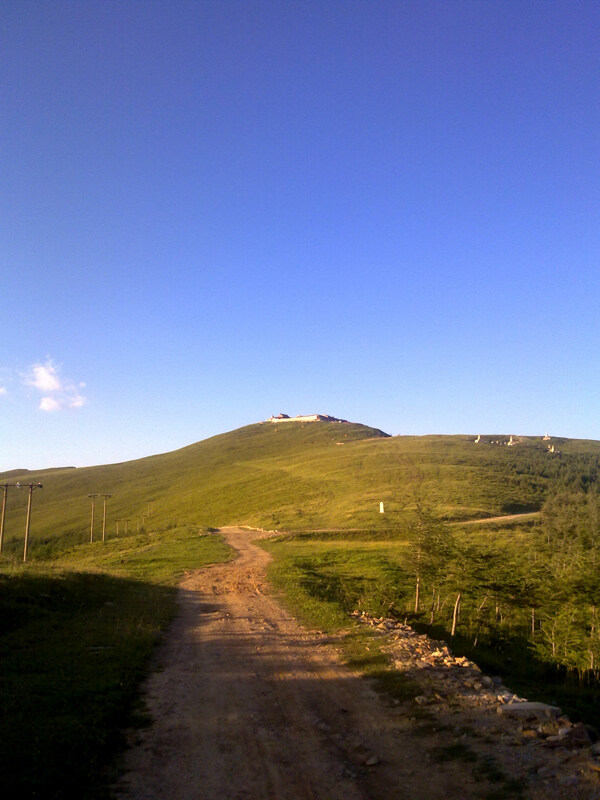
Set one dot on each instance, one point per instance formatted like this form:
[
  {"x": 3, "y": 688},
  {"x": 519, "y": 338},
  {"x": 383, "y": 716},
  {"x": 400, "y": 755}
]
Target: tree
[{"x": 430, "y": 540}]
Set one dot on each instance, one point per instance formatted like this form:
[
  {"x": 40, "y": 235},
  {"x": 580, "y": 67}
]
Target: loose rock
[
  {"x": 533, "y": 737},
  {"x": 528, "y": 711}
]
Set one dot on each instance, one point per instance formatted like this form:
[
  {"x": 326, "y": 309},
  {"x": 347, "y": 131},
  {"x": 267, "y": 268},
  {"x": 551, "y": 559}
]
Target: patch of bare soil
[{"x": 249, "y": 705}]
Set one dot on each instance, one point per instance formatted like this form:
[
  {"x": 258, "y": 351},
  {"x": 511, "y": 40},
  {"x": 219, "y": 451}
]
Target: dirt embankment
[{"x": 248, "y": 705}]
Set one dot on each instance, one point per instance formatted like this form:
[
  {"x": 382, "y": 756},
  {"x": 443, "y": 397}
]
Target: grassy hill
[
  {"x": 80, "y": 621},
  {"x": 289, "y": 476}
]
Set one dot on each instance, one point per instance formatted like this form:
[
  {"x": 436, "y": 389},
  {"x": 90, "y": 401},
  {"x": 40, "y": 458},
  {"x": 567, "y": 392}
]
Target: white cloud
[
  {"x": 3, "y": 390},
  {"x": 44, "y": 377},
  {"x": 76, "y": 400},
  {"x": 58, "y": 392},
  {"x": 49, "y": 404}
]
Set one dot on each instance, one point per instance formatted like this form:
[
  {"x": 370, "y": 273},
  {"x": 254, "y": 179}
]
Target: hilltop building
[
  {"x": 305, "y": 418},
  {"x": 512, "y": 441}
]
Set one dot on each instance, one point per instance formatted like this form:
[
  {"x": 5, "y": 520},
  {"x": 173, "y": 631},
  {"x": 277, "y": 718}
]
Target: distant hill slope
[
  {"x": 296, "y": 476},
  {"x": 26, "y": 474}
]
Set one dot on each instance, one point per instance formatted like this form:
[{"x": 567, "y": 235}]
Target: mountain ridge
[{"x": 295, "y": 477}]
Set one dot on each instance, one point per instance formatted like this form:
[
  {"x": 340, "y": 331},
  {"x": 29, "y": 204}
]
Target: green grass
[
  {"x": 75, "y": 640},
  {"x": 81, "y": 619},
  {"x": 288, "y": 477},
  {"x": 326, "y": 580},
  {"x": 156, "y": 558},
  {"x": 323, "y": 579},
  {"x": 312, "y": 586}
]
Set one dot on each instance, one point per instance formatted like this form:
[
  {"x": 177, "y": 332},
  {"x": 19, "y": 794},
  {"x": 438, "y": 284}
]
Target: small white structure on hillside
[{"x": 305, "y": 418}]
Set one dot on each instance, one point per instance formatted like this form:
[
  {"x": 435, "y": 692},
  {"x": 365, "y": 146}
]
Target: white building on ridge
[{"x": 305, "y": 418}]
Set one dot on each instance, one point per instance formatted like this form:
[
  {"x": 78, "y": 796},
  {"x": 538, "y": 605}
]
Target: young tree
[{"x": 430, "y": 541}]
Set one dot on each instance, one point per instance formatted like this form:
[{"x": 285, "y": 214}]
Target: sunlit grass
[
  {"x": 288, "y": 478},
  {"x": 322, "y": 579}
]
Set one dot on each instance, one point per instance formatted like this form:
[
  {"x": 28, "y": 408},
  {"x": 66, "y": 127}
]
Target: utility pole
[
  {"x": 93, "y": 496},
  {"x": 126, "y": 521},
  {"x": 105, "y": 496},
  {"x": 4, "y": 487},
  {"x": 117, "y": 521},
  {"x": 31, "y": 487}
]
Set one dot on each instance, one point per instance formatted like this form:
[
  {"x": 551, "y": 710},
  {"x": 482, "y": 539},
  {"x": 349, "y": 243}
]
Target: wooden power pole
[
  {"x": 93, "y": 496},
  {"x": 105, "y": 496},
  {"x": 31, "y": 487}
]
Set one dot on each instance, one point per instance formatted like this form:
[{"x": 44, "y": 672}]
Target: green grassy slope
[
  {"x": 79, "y": 627},
  {"x": 316, "y": 475}
]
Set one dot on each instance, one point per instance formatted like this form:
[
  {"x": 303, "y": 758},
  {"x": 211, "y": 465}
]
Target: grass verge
[
  {"x": 76, "y": 636},
  {"x": 320, "y": 586}
]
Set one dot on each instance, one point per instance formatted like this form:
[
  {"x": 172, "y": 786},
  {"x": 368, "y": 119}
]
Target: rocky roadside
[{"x": 533, "y": 744}]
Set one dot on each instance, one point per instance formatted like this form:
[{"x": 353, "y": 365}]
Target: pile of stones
[
  {"x": 457, "y": 682},
  {"x": 541, "y": 721}
]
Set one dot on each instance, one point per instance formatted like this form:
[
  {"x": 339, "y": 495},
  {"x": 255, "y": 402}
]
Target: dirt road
[
  {"x": 248, "y": 705},
  {"x": 523, "y": 517}
]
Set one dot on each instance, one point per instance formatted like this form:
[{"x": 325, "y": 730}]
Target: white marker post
[{"x": 381, "y": 511}]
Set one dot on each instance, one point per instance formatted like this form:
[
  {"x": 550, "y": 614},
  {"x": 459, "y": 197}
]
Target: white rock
[{"x": 528, "y": 710}]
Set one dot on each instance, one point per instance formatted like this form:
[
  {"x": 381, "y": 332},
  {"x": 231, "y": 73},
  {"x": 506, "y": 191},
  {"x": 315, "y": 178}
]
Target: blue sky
[{"x": 213, "y": 211}]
